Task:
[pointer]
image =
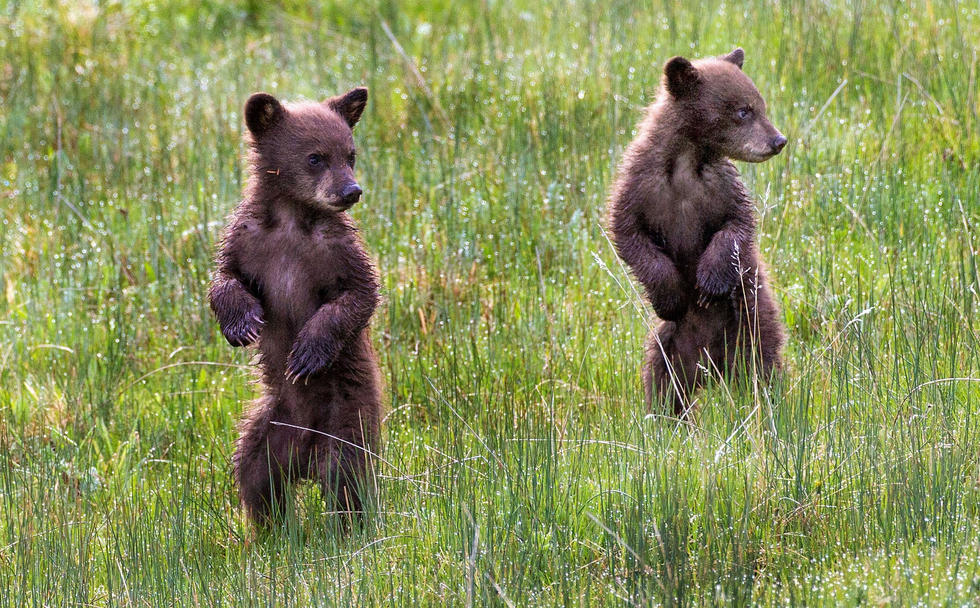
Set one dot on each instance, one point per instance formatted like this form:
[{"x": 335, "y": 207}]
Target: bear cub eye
[
  {"x": 351, "y": 158},
  {"x": 744, "y": 113},
  {"x": 314, "y": 160}
]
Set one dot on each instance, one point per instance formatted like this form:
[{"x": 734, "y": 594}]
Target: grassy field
[{"x": 520, "y": 466}]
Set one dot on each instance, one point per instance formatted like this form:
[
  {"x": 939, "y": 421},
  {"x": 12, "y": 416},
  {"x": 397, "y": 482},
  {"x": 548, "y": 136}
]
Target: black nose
[
  {"x": 777, "y": 143},
  {"x": 351, "y": 194}
]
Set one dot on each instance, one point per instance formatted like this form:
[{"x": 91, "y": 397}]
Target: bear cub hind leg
[
  {"x": 267, "y": 459},
  {"x": 671, "y": 371}
]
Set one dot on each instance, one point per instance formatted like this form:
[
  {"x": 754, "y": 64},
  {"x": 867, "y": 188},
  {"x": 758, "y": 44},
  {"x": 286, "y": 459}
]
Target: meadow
[{"x": 520, "y": 465}]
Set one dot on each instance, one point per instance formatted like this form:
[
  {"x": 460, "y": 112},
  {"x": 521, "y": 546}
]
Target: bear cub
[
  {"x": 683, "y": 222},
  {"x": 294, "y": 277}
]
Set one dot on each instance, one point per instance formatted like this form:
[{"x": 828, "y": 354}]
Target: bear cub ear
[
  {"x": 262, "y": 112},
  {"x": 682, "y": 76},
  {"x": 350, "y": 105},
  {"x": 737, "y": 57}
]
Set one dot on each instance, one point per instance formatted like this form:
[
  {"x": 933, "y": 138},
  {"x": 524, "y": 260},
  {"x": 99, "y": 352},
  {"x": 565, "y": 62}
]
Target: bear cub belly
[
  {"x": 294, "y": 277},
  {"x": 682, "y": 221}
]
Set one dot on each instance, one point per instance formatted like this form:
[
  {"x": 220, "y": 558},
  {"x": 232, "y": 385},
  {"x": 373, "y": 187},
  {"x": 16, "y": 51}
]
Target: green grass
[{"x": 520, "y": 465}]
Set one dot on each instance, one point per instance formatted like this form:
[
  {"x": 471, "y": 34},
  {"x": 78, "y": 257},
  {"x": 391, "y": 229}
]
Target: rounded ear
[
  {"x": 350, "y": 105},
  {"x": 682, "y": 76},
  {"x": 737, "y": 57},
  {"x": 262, "y": 112}
]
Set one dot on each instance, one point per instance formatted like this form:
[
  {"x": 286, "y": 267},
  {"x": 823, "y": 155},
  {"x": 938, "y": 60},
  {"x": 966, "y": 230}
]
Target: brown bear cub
[
  {"x": 293, "y": 275},
  {"x": 683, "y": 222}
]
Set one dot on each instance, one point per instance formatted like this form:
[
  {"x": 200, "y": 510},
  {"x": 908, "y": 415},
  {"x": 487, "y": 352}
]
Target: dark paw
[
  {"x": 242, "y": 327},
  {"x": 239, "y": 313},
  {"x": 670, "y": 308},
  {"x": 309, "y": 357},
  {"x": 715, "y": 283}
]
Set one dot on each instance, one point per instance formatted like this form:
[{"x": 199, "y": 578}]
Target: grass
[{"x": 521, "y": 467}]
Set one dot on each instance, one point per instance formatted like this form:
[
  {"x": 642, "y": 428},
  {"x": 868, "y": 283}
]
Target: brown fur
[
  {"x": 682, "y": 221},
  {"x": 293, "y": 275}
]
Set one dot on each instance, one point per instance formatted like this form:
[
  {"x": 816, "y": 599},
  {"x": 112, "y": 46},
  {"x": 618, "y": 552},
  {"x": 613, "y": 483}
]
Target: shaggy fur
[
  {"x": 293, "y": 275},
  {"x": 682, "y": 221}
]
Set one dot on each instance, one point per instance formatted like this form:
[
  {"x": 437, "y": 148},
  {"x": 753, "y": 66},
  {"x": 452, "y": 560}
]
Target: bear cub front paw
[
  {"x": 715, "y": 281},
  {"x": 309, "y": 356},
  {"x": 669, "y": 305},
  {"x": 240, "y": 318}
]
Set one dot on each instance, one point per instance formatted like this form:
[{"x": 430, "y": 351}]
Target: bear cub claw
[
  {"x": 309, "y": 357},
  {"x": 241, "y": 323},
  {"x": 714, "y": 283}
]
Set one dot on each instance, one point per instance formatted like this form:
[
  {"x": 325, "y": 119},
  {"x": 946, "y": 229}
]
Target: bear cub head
[
  {"x": 306, "y": 150},
  {"x": 720, "y": 107}
]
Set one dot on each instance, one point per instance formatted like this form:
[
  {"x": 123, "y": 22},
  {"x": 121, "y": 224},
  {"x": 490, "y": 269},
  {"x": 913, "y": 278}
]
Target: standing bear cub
[
  {"x": 293, "y": 275},
  {"x": 683, "y": 222}
]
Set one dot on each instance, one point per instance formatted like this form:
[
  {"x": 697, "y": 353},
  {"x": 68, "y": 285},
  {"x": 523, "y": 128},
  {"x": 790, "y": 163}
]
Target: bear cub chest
[
  {"x": 684, "y": 218},
  {"x": 293, "y": 268}
]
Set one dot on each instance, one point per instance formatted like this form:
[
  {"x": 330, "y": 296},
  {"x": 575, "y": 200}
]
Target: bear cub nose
[
  {"x": 778, "y": 143},
  {"x": 351, "y": 194}
]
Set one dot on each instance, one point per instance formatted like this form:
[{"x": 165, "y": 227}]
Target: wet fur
[
  {"x": 294, "y": 277},
  {"x": 683, "y": 222}
]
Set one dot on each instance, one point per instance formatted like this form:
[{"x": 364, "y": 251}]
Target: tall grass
[{"x": 521, "y": 467}]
